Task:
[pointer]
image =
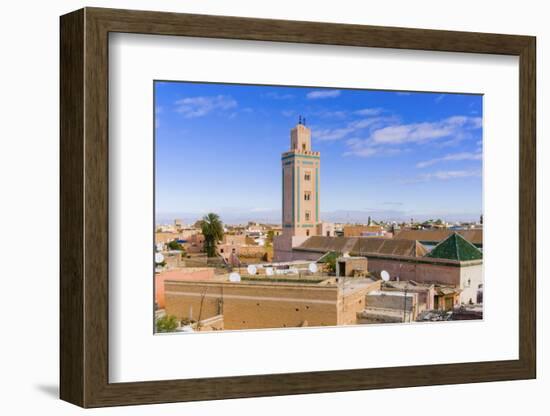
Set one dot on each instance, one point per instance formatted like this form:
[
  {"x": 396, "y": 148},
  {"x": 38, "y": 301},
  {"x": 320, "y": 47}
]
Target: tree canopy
[
  {"x": 168, "y": 323},
  {"x": 212, "y": 229},
  {"x": 175, "y": 245}
]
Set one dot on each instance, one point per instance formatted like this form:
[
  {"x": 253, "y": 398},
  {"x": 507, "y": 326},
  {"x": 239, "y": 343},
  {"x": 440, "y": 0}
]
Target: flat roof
[{"x": 352, "y": 285}]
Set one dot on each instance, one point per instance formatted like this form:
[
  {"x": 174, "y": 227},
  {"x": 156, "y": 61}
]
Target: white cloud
[
  {"x": 351, "y": 127},
  {"x": 368, "y": 111},
  {"x": 278, "y": 96},
  {"x": 193, "y": 107},
  {"x": 331, "y": 114},
  {"x": 317, "y": 94},
  {"x": 363, "y": 151},
  {"x": 450, "y": 158},
  {"x": 424, "y": 132},
  {"x": 364, "y": 148},
  {"x": 456, "y": 174},
  {"x": 386, "y": 136},
  {"x": 332, "y": 134},
  {"x": 444, "y": 176},
  {"x": 439, "y": 98},
  {"x": 451, "y": 174}
]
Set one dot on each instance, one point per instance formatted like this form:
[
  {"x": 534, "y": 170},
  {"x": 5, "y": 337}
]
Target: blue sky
[{"x": 390, "y": 155}]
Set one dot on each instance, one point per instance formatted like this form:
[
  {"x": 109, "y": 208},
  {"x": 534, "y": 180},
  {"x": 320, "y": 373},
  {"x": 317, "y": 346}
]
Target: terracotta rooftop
[
  {"x": 389, "y": 246},
  {"x": 363, "y": 245},
  {"x": 435, "y": 236}
]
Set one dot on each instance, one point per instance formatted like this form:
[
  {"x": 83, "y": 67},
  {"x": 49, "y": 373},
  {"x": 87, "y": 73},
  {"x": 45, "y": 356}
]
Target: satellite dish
[
  {"x": 312, "y": 268},
  {"x": 159, "y": 258},
  {"x": 269, "y": 271},
  {"x": 385, "y": 275},
  {"x": 234, "y": 277},
  {"x": 251, "y": 269}
]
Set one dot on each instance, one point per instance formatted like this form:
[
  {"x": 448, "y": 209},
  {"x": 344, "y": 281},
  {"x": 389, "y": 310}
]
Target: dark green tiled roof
[{"x": 455, "y": 247}]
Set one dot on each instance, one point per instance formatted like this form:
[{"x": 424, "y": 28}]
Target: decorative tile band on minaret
[{"x": 300, "y": 170}]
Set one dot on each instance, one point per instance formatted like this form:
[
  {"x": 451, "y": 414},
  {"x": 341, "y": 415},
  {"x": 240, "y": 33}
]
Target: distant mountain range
[{"x": 341, "y": 216}]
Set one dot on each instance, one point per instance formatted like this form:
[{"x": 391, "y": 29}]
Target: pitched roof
[
  {"x": 364, "y": 246},
  {"x": 389, "y": 246},
  {"x": 455, "y": 247},
  {"x": 473, "y": 236},
  {"x": 324, "y": 244}
]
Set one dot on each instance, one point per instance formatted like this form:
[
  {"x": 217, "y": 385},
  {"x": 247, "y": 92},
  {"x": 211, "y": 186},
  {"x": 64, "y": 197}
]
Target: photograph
[
  {"x": 286, "y": 204},
  {"x": 308, "y": 206}
]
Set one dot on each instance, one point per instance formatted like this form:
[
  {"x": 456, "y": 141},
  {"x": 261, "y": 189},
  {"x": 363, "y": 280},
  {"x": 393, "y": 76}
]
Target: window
[
  {"x": 308, "y": 215},
  {"x": 307, "y": 233},
  {"x": 307, "y": 176},
  {"x": 307, "y": 196},
  {"x": 303, "y": 146}
]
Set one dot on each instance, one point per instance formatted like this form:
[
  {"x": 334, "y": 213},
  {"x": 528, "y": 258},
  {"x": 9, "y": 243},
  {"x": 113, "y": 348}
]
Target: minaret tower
[{"x": 301, "y": 170}]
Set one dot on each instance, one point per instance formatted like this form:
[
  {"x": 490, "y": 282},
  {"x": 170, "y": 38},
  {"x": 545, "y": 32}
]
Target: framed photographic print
[{"x": 256, "y": 207}]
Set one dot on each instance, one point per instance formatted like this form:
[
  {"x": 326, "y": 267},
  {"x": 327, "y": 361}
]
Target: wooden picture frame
[{"x": 84, "y": 207}]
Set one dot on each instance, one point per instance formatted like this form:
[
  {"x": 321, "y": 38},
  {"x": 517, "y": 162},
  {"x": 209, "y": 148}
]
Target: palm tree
[{"x": 212, "y": 229}]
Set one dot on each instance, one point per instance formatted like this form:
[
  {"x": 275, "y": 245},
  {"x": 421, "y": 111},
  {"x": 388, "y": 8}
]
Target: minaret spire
[{"x": 301, "y": 170}]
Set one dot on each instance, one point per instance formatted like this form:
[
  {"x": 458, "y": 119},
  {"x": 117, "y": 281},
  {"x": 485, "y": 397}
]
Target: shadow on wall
[{"x": 49, "y": 390}]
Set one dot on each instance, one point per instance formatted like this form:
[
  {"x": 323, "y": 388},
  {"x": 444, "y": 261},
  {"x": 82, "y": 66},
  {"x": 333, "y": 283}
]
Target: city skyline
[{"x": 388, "y": 155}]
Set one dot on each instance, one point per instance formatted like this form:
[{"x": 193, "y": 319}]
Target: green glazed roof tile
[{"x": 455, "y": 247}]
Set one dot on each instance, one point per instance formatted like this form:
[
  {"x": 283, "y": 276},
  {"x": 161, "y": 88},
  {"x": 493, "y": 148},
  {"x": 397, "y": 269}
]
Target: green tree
[
  {"x": 212, "y": 229},
  {"x": 330, "y": 260},
  {"x": 269, "y": 238},
  {"x": 167, "y": 323},
  {"x": 175, "y": 245}
]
